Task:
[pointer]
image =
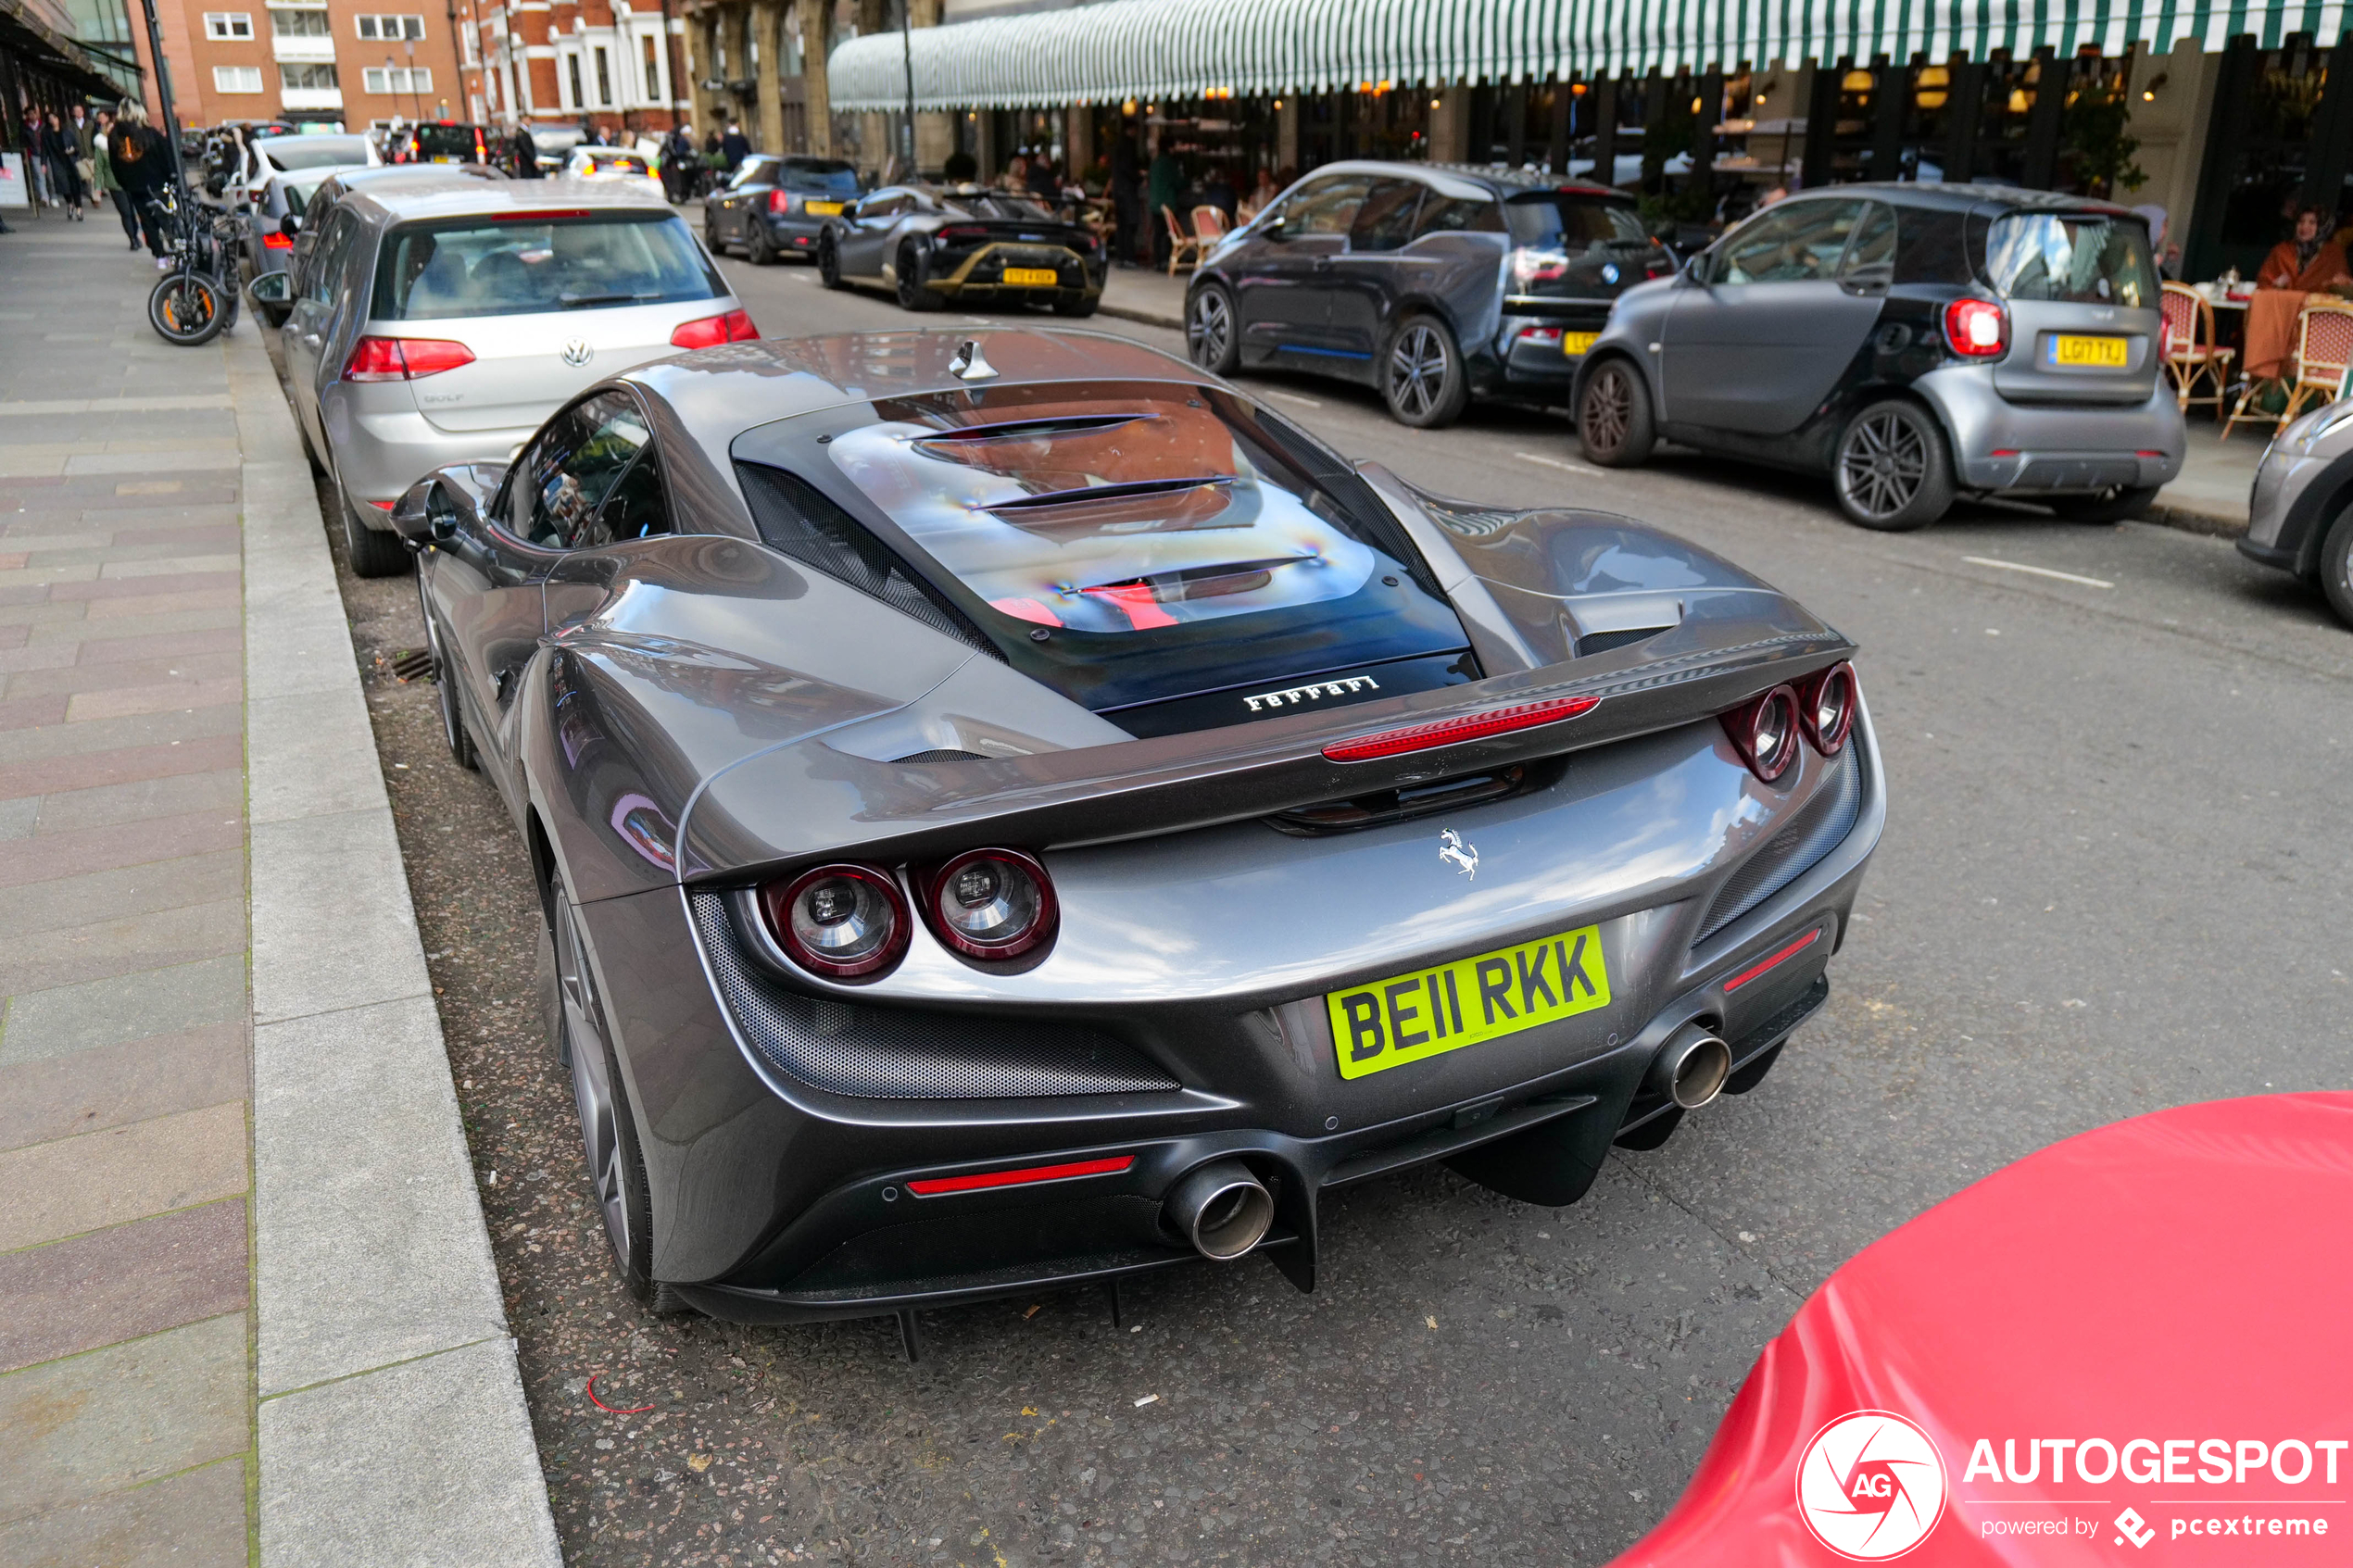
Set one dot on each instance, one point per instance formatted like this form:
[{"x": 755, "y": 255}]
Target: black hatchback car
[
  {"x": 1916, "y": 343},
  {"x": 1434, "y": 283},
  {"x": 774, "y": 205}
]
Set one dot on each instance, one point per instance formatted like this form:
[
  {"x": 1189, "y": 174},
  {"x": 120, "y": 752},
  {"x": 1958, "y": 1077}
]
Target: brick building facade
[
  {"x": 612, "y": 62},
  {"x": 356, "y": 62}
]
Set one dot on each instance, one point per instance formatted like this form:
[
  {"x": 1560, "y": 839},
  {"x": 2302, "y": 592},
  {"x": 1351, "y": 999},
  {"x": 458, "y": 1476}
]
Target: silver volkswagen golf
[{"x": 442, "y": 321}]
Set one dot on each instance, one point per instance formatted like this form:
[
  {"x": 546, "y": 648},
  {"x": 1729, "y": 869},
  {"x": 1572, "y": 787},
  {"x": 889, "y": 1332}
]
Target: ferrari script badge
[
  {"x": 578, "y": 353},
  {"x": 1463, "y": 857}
]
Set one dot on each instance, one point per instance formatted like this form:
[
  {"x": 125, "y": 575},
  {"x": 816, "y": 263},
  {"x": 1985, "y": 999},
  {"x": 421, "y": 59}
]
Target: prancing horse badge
[{"x": 1463, "y": 857}]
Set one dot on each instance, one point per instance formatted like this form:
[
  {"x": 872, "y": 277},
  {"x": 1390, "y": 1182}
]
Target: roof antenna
[{"x": 970, "y": 365}]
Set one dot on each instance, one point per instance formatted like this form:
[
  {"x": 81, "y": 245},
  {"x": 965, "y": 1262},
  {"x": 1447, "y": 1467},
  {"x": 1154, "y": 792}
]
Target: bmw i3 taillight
[
  {"x": 1826, "y": 704},
  {"x": 991, "y": 904},
  {"x": 1976, "y": 329},
  {"x": 841, "y": 921},
  {"x": 1764, "y": 730}
]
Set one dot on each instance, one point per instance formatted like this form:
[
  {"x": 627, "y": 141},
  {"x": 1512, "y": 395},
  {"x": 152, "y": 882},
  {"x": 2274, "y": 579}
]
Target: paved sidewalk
[{"x": 252, "y": 1315}]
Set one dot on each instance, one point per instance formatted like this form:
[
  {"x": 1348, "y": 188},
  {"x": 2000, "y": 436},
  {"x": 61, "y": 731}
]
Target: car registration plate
[
  {"x": 821, "y": 210},
  {"x": 2089, "y": 353},
  {"x": 1574, "y": 343},
  {"x": 1031, "y": 277},
  {"x": 1408, "y": 1017}
]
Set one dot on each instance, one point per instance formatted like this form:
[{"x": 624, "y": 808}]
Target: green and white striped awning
[{"x": 1152, "y": 49}]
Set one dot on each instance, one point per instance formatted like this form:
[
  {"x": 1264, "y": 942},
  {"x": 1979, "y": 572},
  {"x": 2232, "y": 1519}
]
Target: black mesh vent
[
  {"x": 806, "y": 524},
  {"x": 946, "y": 753},
  {"x": 890, "y": 1053},
  {"x": 1790, "y": 853}
]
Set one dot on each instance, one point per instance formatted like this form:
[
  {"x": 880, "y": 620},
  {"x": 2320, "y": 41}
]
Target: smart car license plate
[
  {"x": 1472, "y": 1000},
  {"x": 2074, "y": 351},
  {"x": 1031, "y": 277},
  {"x": 1574, "y": 343},
  {"x": 821, "y": 210}
]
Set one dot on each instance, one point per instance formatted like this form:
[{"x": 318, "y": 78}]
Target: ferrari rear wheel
[
  {"x": 444, "y": 686},
  {"x": 2336, "y": 568},
  {"x": 828, "y": 262},
  {"x": 1614, "y": 417},
  {"x": 1891, "y": 472},
  {"x": 914, "y": 293},
  {"x": 1209, "y": 330},
  {"x": 609, "y": 1136},
  {"x": 1422, "y": 376}
]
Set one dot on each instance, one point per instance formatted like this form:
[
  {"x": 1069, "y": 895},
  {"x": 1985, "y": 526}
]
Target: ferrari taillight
[
  {"x": 991, "y": 904},
  {"x": 1764, "y": 730},
  {"x": 1826, "y": 708},
  {"x": 708, "y": 330},
  {"x": 1978, "y": 329},
  {"x": 841, "y": 921},
  {"x": 404, "y": 358}
]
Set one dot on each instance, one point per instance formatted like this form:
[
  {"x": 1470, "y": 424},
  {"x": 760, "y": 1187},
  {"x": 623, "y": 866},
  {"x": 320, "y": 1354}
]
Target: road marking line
[
  {"x": 2038, "y": 571},
  {"x": 1558, "y": 463},
  {"x": 1292, "y": 397}
]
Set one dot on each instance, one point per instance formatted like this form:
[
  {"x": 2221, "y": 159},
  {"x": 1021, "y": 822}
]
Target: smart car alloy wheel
[
  {"x": 1422, "y": 378},
  {"x": 1892, "y": 472},
  {"x": 1209, "y": 330}
]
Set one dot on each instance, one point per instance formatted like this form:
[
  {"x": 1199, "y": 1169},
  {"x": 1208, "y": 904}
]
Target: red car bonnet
[{"x": 2131, "y": 1343}]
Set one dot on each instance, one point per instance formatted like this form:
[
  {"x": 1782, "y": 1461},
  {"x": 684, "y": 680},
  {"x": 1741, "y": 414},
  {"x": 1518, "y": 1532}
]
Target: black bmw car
[
  {"x": 932, "y": 243},
  {"x": 1435, "y": 284},
  {"x": 774, "y": 207}
]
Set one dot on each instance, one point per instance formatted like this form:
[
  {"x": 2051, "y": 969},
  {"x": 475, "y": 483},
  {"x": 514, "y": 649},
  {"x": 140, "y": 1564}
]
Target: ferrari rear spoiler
[{"x": 816, "y": 799}]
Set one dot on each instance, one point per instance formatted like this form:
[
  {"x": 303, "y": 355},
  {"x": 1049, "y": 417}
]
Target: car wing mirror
[
  {"x": 1275, "y": 228},
  {"x": 416, "y": 515},
  {"x": 290, "y": 225},
  {"x": 272, "y": 295}
]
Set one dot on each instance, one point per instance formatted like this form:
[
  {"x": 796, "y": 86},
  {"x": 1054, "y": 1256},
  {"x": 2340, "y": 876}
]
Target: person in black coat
[
  {"x": 142, "y": 164},
  {"x": 733, "y": 148},
  {"x": 525, "y": 151},
  {"x": 62, "y": 151}
]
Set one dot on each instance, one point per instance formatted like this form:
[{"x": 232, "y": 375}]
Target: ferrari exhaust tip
[
  {"x": 1691, "y": 1068},
  {"x": 1221, "y": 1209}
]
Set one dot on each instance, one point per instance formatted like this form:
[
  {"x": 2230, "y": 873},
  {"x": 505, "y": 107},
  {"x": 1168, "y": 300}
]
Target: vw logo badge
[{"x": 578, "y": 353}]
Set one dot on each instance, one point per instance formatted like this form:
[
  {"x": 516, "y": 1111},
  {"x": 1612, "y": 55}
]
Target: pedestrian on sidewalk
[
  {"x": 102, "y": 173},
  {"x": 679, "y": 163},
  {"x": 143, "y": 163},
  {"x": 1165, "y": 184},
  {"x": 734, "y": 147},
  {"x": 58, "y": 146}
]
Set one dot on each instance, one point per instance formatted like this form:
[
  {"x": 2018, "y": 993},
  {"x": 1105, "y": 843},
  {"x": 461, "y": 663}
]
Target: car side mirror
[
  {"x": 1695, "y": 270},
  {"x": 290, "y": 225},
  {"x": 272, "y": 296},
  {"x": 1275, "y": 228},
  {"x": 849, "y": 210}
]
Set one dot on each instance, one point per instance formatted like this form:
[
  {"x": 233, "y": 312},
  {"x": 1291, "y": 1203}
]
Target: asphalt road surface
[{"x": 2111, "y": 882}]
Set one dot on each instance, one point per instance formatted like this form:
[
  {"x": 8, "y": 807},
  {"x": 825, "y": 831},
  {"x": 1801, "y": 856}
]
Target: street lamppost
[
  {"x": 907, "y": 54},
  {"x": 163, "y": 89}
]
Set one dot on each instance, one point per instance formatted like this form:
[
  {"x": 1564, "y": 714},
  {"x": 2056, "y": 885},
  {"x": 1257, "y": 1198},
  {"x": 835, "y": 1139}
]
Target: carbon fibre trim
[
  {"x": 899, "y": 1053},
  {"x": 1790, "y": 853}
]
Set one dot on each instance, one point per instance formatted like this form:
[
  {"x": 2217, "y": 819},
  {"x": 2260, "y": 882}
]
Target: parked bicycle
[{"x": 196, "y": 300}]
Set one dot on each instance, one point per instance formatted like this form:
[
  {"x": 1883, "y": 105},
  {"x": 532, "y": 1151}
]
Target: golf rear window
[
  {"x": 1149, "y": 513},
  {"x": 525, "y": 263},
  {"x": 2086, "y": 259}
]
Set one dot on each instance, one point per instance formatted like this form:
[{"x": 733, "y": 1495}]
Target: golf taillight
[
  {"x": 840, "y": 921},
  {"x": 710, "y": 330},
  {"x": 991, "y": 904},
  {"x": 1978, "y": 329},
  {"x": 1765, "y": 731},
  {"x": 404, "y": 358},
  {"x": 1826, "y": 704}
]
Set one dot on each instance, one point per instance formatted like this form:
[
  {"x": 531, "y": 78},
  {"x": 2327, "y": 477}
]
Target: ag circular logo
[{"x": 1870, "y": 1485}]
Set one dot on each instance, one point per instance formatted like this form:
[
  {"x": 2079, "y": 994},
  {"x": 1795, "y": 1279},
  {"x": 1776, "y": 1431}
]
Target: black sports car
[
  {"x": 931, "y": 243},
  {"x": 1012, "y": 811}
]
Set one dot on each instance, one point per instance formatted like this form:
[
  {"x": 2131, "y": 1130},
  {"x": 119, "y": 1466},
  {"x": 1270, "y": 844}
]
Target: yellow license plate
[
  {"x": 1577, "y": 342},
  {"x": 1032, "y": 277},
  {"x": 2092, "y": 353},
  {"x": 1393, "y": 1022},
  {"x": 823, "y": 209}
]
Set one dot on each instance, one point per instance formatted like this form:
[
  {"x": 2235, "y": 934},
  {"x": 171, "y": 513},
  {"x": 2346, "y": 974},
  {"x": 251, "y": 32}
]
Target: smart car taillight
[
  {"x": 404, "y": 358},
  {"x": 1764, "y": 730},
  {"x": 1978, "y": 329},
  {"x": 841, "y": 921},
  {"x": 1826, "y": 704},
  {"x": 991, "y": 904},
  {"x": 708, "y": 330}
]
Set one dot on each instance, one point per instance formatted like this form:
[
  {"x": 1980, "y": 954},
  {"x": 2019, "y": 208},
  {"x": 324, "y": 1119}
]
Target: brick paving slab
[
  {"x": 49, "y": 1191},
  {"x": 76, "y": 1018},
  {"x": 109, "y": 1085},
  {"x": 194, "y": 1519},
  {"x": 126, "y": 1283}
]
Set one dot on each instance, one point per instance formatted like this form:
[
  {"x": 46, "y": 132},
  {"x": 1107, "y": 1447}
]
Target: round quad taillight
[
  {"x": 1765, "y": 730},
  {"x": 1826, "y": 707},
  {"x": 840, "y": 921},
  {"x": 991, "y": 904}
]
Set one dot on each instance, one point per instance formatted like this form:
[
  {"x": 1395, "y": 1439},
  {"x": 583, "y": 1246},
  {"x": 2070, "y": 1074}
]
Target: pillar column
[
  {"x": 769, "y": 134},
  {"x": 816, "y": 95},
  {"x": 1450, "y": 125},
  {"x": 1287, "y": 134}
]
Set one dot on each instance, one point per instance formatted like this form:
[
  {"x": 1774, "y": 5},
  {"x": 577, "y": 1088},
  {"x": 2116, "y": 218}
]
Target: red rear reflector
[
  {"x": 1744, "y": 976},
  {"x": 1448, "y": 732},
  {"x": 382, "y": 506},
  {"x": 2149, "y": 454},
  {"x": 2003, "y": 452},
  {"x": 277, "y": 242},
  {"x": 940, "y": 1185},
  {"x": 733, "y": 327}
]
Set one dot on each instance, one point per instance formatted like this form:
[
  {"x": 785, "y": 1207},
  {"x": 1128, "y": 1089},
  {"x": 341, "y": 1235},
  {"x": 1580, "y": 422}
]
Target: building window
[
  {"x": 579, "y": 98},
  {"x": 653, "y": 71},
  {"x": 604, "y": 79},
  {"x": 228, "y": 24},
  {"x": 308, "y": 78},
  {"x": 391, "y": 29},
  {"x": 301, "y": 24},
  {"x": 397, "y": 79},
  {"x": 236, "y": 78}
]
